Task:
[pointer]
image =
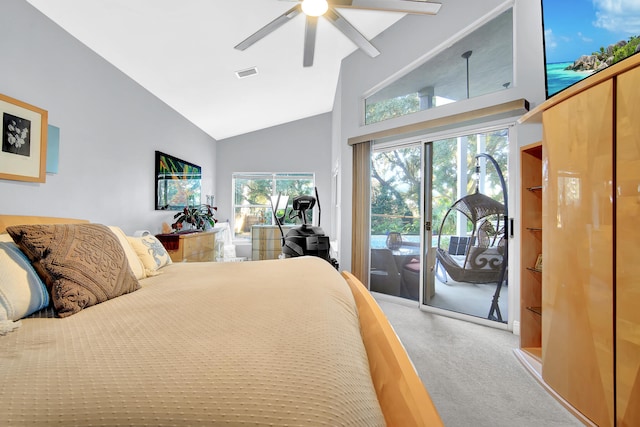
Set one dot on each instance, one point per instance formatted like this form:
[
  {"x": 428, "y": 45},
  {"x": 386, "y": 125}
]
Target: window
[
  {"x": 478, "y": 64},
  {"x": 396, "y": 176},
  {"x": 252, "y": 197}
]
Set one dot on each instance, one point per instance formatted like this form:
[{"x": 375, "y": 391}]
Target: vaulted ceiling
[{"x": 183, "y": 52}]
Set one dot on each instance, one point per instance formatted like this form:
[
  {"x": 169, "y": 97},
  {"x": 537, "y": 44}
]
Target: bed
[{"x": 280, "y": 342}]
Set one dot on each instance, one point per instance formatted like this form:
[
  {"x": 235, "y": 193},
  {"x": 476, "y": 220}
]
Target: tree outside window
[
  {"x": 252, "y": 198},
  {"x": 396, "y": 176}
]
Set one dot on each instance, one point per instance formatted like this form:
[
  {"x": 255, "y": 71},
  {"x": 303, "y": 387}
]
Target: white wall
[
  {"x": 299, "y": 146},
  {"x": 109, "y": 128}
]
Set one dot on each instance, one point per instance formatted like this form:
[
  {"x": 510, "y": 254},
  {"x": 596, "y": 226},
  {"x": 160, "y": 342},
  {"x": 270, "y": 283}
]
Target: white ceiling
[{"x": 182, "y": 52}]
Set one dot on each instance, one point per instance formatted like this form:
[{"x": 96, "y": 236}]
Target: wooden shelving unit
[
  {"x": 530, "y": 248},
  {"x": 589, "y": 354}
]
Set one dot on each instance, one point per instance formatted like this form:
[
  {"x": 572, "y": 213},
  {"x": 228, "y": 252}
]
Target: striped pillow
[{"x": 21, "y": 290}]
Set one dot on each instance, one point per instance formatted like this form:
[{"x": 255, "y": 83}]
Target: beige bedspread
[{"x": 255, "y": 343}]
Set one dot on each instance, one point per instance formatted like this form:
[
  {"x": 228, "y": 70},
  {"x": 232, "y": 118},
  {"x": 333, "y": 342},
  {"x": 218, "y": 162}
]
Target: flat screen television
[{"x": 582, "y": 37}]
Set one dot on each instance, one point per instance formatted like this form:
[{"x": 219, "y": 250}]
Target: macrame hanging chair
[{"x": 486, "y": 255}]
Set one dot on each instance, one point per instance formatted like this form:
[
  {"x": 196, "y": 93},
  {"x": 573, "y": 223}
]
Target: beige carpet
[
  {"x": 470, "y": 298},
  {"x": 471, "y": 372}
]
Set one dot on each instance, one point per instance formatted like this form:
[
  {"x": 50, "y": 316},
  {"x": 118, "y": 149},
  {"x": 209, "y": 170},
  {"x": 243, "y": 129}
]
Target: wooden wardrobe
[{"x": 583, "y": 343}]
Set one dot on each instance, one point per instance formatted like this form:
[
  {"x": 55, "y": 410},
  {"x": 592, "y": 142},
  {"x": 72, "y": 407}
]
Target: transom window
[
  {"x": 252, "y": 197},
  {"x": 478, "y": 64}
]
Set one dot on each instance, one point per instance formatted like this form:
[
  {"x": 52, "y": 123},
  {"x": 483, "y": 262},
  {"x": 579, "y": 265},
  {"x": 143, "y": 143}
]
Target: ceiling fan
[{"x": 328, "y": 8}]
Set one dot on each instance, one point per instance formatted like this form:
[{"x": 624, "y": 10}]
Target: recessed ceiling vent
[{"x": 247, "y": 73}]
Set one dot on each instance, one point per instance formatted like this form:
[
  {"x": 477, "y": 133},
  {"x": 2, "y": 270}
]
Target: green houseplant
[{"x": 197, "y": 217}]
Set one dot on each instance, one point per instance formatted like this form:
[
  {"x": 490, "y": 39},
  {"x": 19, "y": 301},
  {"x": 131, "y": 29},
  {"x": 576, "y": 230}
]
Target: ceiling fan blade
[
  {"x": 419, "y": 7},
  {"x": 270, "y": 27},
  {"x": 350, "y": 31},
  {"x": 310, "y": 40}
]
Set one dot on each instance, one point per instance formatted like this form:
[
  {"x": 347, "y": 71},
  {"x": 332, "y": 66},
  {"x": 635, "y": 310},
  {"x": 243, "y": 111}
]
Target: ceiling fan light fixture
[{"x": 314, "y": 7}]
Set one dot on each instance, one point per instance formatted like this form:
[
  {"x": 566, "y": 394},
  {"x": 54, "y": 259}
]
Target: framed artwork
[
  {"x": 23, "y": 143},
  {"x": 178, "y": 183}
]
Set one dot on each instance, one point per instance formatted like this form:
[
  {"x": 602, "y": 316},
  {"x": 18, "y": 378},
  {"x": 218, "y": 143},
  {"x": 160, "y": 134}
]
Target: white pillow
[
  {"x": 137, "y": 268},
  {"x": 22, "y": 292},
  {"x": 151, "y": 252}
]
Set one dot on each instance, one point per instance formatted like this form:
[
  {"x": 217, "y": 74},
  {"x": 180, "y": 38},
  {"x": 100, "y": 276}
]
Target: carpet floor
[
  {"x": 471, "y": 372},
  {"x": 470, "y": 298}
]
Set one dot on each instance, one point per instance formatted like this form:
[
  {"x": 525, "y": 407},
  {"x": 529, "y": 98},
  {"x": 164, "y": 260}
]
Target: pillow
[
  {"x": 484, "y": 258},
  {"x": 137, "y": 268},
  {"x": 81, "y": 264},
  {"x": 151, "y": 252},
  {"x": 21, "y": 290}
]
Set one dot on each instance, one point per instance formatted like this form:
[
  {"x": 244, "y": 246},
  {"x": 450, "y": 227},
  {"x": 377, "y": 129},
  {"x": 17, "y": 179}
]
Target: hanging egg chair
[
  {"x": 482, "y": 259},
  {"x": 485, "y": 257}
]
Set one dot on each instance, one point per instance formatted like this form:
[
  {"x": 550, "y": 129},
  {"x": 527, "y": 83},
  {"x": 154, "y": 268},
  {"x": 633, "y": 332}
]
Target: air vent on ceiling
[{"x": 247, "y": 73}]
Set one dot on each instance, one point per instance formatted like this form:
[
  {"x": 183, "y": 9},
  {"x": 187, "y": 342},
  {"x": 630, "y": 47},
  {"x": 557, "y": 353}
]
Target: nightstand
[{"x": 190, "y": 246}]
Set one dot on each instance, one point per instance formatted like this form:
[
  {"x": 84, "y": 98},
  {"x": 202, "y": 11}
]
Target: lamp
[
  {"x": 466, "y": 56},
  {"x": 314, "y": 7}
]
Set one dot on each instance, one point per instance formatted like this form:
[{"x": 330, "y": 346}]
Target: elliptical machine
[{"x": 304, "y": 239}]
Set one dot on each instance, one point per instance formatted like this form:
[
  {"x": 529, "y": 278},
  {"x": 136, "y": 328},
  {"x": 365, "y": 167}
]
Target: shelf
[
  {"x": 535, "y": 352},
  {"x": 536, "y": 310},
  {"x": 530, "y": 249}
]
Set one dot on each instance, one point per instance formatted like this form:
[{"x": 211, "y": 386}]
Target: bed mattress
[{"x": 256, "y": 343}]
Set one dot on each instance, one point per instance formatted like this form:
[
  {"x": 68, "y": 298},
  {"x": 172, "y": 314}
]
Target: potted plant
[{"x": 197, "y": 217}]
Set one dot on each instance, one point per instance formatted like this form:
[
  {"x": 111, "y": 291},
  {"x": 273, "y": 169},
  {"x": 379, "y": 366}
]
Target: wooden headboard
[{"x": 8, "y": 220}]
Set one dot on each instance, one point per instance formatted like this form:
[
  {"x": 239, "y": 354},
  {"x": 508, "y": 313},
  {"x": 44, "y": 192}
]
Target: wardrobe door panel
[
  {"x": 628, "y": 250},
  {"x": 577, "y": 222}
]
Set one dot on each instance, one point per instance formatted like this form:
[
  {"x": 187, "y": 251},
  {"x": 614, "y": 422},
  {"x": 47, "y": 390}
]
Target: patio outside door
[
  {"x": 465, "y": 267},
  {"x": 396, "y": 200}
]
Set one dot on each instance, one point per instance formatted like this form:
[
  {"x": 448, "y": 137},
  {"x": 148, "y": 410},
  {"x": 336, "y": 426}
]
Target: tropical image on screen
[{"x": 583, "y": 37}]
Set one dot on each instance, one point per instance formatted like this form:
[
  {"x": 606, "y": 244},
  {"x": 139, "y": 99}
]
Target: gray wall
[
  {"x": 109, "y": 128},
  {"x": 299, "y": 146}
]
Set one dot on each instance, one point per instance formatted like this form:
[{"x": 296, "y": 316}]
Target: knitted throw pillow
[{"x": 81, "y": 264}]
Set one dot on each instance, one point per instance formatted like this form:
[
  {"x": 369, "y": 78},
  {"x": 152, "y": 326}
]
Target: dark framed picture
[
  {"x": 178, "y": 183},
  {"x": 23, "y": 143}
]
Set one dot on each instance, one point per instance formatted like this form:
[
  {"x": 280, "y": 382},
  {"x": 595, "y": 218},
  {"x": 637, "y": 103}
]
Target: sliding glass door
[
  {"x": 396, "y": 200},
  {"x": 465, "y": 269},
  {"x": 439, "y": 223}
]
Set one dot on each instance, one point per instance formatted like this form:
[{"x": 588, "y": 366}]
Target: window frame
[
  {"x": 274, "y": 177},
  {"x": 434, "y": 55}
]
